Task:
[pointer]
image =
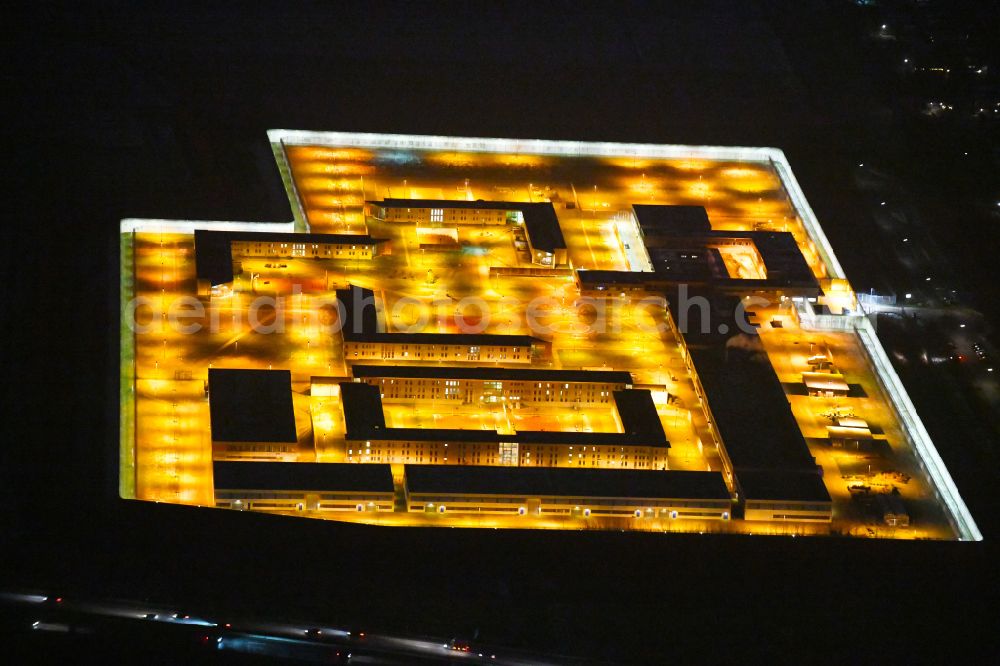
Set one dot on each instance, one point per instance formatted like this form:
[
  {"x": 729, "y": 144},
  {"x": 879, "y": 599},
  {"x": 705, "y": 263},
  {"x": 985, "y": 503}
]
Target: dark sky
[{"x": 128, "y": 109}]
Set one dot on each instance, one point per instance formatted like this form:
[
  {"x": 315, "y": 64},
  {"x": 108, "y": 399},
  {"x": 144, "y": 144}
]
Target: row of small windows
[
  {"x": 471, "y": 349},
  {"x": 271, "y": 247},
  {"x": 260, "y": 447},
  {"x": 775, "y": 506},
  {"x": 484, "y": 454},
  {"x": 450, "y": 500},
  {"x": 458, "y": 214},
  {"x": 495, "y": 385},
  {"x": 410, "y": 391},
  {"x": 390, "y": 350}
]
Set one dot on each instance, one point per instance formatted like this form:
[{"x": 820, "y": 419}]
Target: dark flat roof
[
  {"x": 638, "y": 414},
  {"x": 687, "y": 314},
  {"x": 703, "y": 264},
  {"x": 564, "y": 482},
  {"x": 782, "y": 485},
  {"x": 363, "y": 414},
  {"x": 588, "y": 277},
  {"x": 489, "y": 373},
  {"x": 360, "y": 315},
  {"x": 671, "y": 219},
  {"x": 230, "y": 475},
  {"x": 690, "y": 274},
  {"x": 782, "y": 258},
  {"x": 539, "y": 218},
  {"x": 752, "y": 413},
  {"x": 251, "y": 405},
  {"x": 543, "y": 227},
  {"x": 213, "y": 255}
]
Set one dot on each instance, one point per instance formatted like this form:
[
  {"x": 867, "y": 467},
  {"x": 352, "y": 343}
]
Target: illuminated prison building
[
  {"x": 365, "y": 339},
  {"x": 562, "y": 492},
  {"x": 217, "y": 253},
  {"x": 782, "y": 495},
  {"x": 682, "y": 248},
  {"x": 295, "y": 486},
  {"x": 333, "y": 487},
  {"x": 315, "y": 246},
  {"x": 492, "y": 385},
  {"x": 543, "y": 236},
  {"x": 642, "y": 444},
  {"x": 487, "y": 447},
  {"x": 459, "y": 348}
]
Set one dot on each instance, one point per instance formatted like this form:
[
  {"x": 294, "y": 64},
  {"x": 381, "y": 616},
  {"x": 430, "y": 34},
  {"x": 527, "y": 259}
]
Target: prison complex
[{"x": 733, "y": 418}]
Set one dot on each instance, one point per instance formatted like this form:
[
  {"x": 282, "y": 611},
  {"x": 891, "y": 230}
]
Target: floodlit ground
[
  {"x": 334, "y": 183},
  {"x": 415, "y": 414},
  {"x": 440, "y": 287},
  {"x": 886, "y": 466}
]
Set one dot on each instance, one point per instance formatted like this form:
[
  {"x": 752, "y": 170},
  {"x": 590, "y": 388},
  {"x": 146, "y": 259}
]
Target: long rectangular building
[
  {"x": 515, "y": 386},
  {"x": 774, "y": 472},
  {"x": 641, "y": 445},
  {"x": 583, "y": 493},
  {"x": 294, "y": 486},
  {"x": 365, "y": 339},
  {"x": 251, "y": 413},
  {"x": 545, "y": 239},
  {"x": 215, "y": 251},
  {"x": 443, "y": 347}
]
